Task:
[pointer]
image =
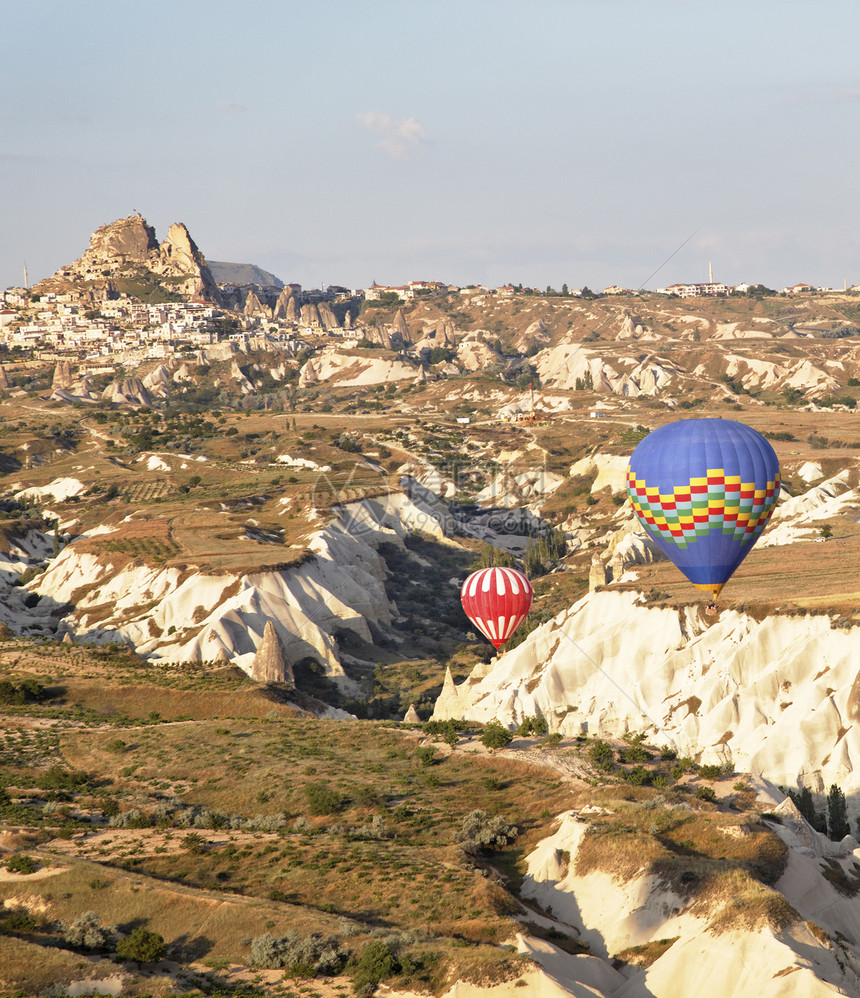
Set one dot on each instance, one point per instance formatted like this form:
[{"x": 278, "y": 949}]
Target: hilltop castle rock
[{"x": 128, "y": 247}]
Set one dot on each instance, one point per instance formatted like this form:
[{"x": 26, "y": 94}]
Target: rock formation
[
  {"x": 4, "y": 380},
  {"x": 411, "y": 715},
  {"x": 736, "y": 690},
  {"x": 270, "y": 664},
  {"x": 132, "y": 391},
  {"x": 597, "y": 573},
  {"x": 310, "y": 316},
  {"x": 399, "y": 329},
  {"x": 308, "y": 375},
  {"x": 62, "y": 375},
  {"x": 328, "y": 320},
  {"x": 285, "y": 304},
  {"x": 254, "y": 307},
  {"x": 128, "y": 248}
]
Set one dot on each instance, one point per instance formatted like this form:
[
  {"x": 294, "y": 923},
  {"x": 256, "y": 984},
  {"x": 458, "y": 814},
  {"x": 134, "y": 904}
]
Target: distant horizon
[{"x": 541, "y": 288}]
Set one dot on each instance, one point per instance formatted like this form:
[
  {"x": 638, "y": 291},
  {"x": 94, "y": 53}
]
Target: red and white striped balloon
[{"x": 497, "y": 601}]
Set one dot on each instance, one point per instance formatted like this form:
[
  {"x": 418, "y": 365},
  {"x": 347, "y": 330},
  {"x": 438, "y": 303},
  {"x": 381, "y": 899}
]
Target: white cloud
[
  {"x": 399, "y": 139},
  {"x": 230, "y": 107}
]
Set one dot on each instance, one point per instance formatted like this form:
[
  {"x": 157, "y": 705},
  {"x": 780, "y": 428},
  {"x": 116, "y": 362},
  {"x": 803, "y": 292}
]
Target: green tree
[
  {"x": 495, "y": 736},
  {"x": 837, "y": 816},
  {"x": 142, "y": 946},
  {"x": 376, "y": 963},
  {"x": 825, "y": 531}
]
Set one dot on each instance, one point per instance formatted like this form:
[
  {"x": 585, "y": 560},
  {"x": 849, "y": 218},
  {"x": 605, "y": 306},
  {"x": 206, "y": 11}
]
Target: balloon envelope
[
  {"x": 704, "y": 489},
  {"x": 497, "y": 601}
]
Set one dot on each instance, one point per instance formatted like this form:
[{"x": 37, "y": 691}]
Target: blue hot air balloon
[{"x": 704, "y": 489}]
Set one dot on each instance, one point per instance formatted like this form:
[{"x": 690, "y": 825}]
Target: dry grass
[{"x": 647, "y": 953}]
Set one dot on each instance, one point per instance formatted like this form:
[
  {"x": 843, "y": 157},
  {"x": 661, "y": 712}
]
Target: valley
[{"x": 243, "y": 711}]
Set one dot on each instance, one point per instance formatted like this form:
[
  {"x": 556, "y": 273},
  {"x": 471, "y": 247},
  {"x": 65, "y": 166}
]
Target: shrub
[
  {"x": 302, "y": 956},
  {"x": 426, "y": 754},
  {"x": 533, "y": 726},
  {"x": 706, "y": 793},
  {"x": 601, "y": 755},
  {"x": 377, "y": 962},
  {"x": 495, "y": 736},
  {"x": 86, "y": 932},
  {"x": 323, "y": 799},
  {"x": 639, "y": 776},
  {"x": 711, "y": 772},
  {"x": 142, "y": 946},
  {"x": 194, "y": 843},
  {"x": 19, "y": 863},
  {"x": 479, "y": 831}
]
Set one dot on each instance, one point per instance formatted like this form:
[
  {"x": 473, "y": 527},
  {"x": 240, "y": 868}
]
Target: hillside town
[{"x": 63, "y": 325}]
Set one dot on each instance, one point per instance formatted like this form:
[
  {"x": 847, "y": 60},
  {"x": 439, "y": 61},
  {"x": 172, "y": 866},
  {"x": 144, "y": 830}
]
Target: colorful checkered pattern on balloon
[{"x": 716, "y": 502}]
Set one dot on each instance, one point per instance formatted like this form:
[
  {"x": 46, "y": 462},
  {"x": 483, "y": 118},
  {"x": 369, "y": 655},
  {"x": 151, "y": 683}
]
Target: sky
[{"x": 578, "y": 142}]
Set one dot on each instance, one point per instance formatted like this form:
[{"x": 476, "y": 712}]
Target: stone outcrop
[
  {"x": 270, "y": 664},
  {"x": 310, "y": 316},
  {"x": 254, "y": 307},
  {"x": 732, "y": 690},
  {"x": 4, "y": 380},
  {"x": 400, "y": 327},
  {"x": 597, "y": 573},
  {"x": 132, "y": 391},
  {"x": 128, "y": 248},
  {"x": 285, "y": 306},
  {"x": 308, "y": 375},
  {"x": 341, "y": 587},
  {"x": 328, "y": 320},
  {"x": 411, "y": 715},
  {"x": 62, "y": 375}
]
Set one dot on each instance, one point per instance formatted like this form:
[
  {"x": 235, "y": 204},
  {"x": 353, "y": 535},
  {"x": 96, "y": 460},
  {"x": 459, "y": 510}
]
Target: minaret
[
  {"x": 26, "y": 278},
  {"x": 710, "y": 273}
]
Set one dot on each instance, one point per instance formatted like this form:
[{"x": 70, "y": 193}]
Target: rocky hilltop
[{"x": 128, "y": 250}]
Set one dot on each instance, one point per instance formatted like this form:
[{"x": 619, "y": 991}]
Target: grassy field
[{"x": 248, "y": 818}]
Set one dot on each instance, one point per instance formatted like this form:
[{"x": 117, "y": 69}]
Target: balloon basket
[{"x": 711, "y": 609}]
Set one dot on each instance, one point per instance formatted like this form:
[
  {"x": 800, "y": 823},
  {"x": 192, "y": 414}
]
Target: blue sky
[{"x": 478, "y": 141}]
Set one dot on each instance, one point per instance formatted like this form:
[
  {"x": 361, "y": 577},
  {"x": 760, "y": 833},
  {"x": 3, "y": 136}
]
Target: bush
[
  {"x": 426, "y": 754},
  {"x": 711, "y": 772},
  {"x": 479, "y": 831},
  {"x": 639, "y": 776},
  {"x": 601, "y": 755},
  {"x": 86, "y": 932},
  {"x": 142, "y": 946},
  {"x": 706, "y": 793},
  {"x": 533, "y": 726},
  {"x": 323, "y": 799},
  {"x": 19, "y": 863},
  {"x": 302, "y": 956},
  {"x": 495, "y": 736},
  {"x": 194, "y": 843},
  {"x": 378, "y": 962}
]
